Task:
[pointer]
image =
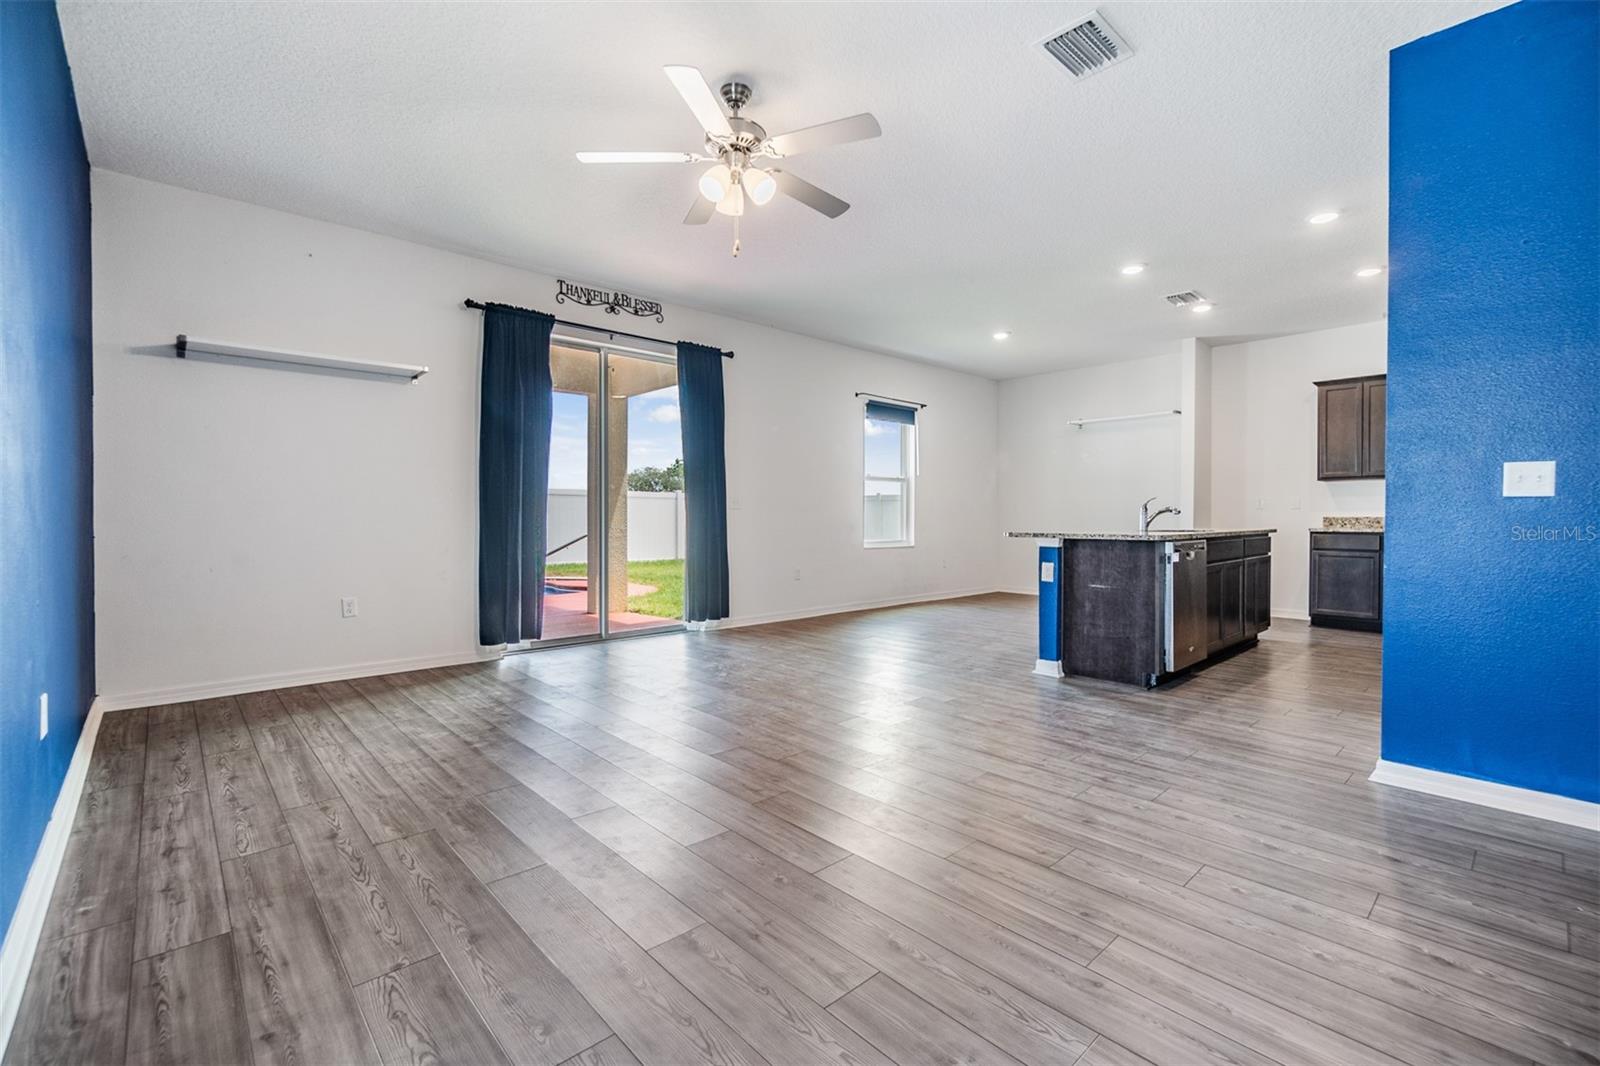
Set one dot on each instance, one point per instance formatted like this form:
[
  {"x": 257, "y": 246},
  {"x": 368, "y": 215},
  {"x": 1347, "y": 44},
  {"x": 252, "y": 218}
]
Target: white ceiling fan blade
[
  {"x": 809, "y": 194},
  {"x": 700, "y": 212},
  {"x": 701, "y": 100},
  {"x": 840, "y": 131},
  {"x": 635, "y": 157}
]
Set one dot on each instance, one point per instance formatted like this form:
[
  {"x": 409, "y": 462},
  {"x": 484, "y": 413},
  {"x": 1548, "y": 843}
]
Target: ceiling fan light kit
[
  {"x": 714, "y": 183},
  {"x": 733, "y": 202},
  {"x": 759, "y": 185},
  {"x": 733, "y": 146}
]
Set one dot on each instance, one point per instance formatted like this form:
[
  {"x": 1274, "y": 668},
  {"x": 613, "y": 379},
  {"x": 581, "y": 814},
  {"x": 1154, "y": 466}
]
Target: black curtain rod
[
  {"x": 891, "y": 399},
  {"x": 479, "y": 306}
]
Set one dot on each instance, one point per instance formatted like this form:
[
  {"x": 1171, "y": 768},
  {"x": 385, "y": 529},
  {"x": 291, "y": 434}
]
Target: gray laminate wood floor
[{"x": 868, "y": 838}]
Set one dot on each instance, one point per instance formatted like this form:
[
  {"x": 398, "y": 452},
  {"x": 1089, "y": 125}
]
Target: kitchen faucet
[{"x": 1145, "y": 517}]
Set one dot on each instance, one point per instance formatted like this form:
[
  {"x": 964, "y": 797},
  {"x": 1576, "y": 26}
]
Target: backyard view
[
  {"x": 635, "y": 482},
  {"x": 662, "y": 578}
]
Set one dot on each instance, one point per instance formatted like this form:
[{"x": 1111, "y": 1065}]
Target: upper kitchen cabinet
[{"x": 1350, "y": 427}]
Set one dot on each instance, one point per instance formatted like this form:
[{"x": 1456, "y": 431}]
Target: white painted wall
[
  {"x": 235, "y": 505},
  {"x": 1194, "y": 434},
  {"x": 1264, "y": 443},
  {"x": 1245, "y": 448},
  {"x": 1053, "y": 476}
]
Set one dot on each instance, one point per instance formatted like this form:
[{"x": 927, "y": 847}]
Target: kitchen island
[{"x": 1143, "y": 608}]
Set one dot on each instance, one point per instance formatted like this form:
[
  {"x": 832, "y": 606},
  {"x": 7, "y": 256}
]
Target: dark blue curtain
[
  {"x": 513, "y": 473},
  {"x": 879, "y": 411},
  {"x": 705, "y": 482}
]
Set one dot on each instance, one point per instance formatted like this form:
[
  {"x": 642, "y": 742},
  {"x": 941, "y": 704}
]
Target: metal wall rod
[
  {"x": 890, "y": 399},
  {"x": 1081, "y": 422},
  {"x": 479, "y": 306}
]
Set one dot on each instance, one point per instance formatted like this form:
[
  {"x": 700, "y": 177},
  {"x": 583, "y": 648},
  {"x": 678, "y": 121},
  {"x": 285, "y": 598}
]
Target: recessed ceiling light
[
  {"x": 1369, "y": 272},
  {"x": 1322, "y": 218},
  {"x": 1133, "y": 268},
  {"x": 1001, "y": 334},
  {"x": 1200, "y": 308}
]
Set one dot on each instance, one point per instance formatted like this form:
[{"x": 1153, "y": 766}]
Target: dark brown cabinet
[
  {"x": 1350, "y": 427},
  {"x": 1374, "y": 398},
  {"x": 1347, "y": 580},
  {"x": 1129, "y": 612},
  {"x": 1238, "y": 590},
  {"x": 1224, "y": 604},
  {"x": 1257, "y": 595}
]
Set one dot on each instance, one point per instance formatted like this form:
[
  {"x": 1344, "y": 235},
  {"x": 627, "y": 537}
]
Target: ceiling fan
[{"x": 741, "y": 153}]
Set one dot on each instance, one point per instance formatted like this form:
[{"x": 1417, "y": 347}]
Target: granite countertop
[
  {"x": 1155, "y": 535},
  {"x": 1351, "y": 523}
]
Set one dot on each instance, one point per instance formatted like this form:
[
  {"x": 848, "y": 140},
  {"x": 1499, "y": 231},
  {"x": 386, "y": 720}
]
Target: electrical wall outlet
[
  {"x": 44, "y": 715},
  {"x": 347, "y": 607},
  {"x": 1528, "y": 479}
]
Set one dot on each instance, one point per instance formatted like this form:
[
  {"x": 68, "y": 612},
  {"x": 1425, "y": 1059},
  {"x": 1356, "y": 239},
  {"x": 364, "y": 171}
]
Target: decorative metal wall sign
[{"x": 615, "y": 303}]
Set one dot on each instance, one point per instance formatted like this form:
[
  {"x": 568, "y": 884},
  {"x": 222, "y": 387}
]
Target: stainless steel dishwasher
[{"x": 1184, "y": 631}]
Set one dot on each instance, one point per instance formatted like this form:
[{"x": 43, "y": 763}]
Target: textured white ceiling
[{"x": 1001, "y": 194}]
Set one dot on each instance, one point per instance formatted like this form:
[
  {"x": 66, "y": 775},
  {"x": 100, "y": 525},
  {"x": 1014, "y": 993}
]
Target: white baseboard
[
  {"x": 844, "y": 608},
  {"x": 1526, "y": 801},
  {"x": 263, "y": 682},
  {"x": 1293, "y": 616},
  {"x": 27, "y": 921}
]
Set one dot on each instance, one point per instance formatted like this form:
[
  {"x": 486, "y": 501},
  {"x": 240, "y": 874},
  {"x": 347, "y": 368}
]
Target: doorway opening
[{"x": 615, "y": 516}]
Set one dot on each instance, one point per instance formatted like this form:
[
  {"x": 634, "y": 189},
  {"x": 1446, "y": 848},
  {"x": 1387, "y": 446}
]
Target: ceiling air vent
[
  {"x": 1184, "y": 299},
  {"x": 1087, "y": 46}
]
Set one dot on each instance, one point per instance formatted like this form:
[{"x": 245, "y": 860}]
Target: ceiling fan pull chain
[{"x": 736, "y": 236}]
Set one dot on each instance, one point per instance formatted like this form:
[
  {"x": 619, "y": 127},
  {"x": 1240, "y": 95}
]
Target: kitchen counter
[
  {"x": 1153, "y": 535},
  {"x": 1351, "y": 524},
  {"x": 1144, "y": 608}
]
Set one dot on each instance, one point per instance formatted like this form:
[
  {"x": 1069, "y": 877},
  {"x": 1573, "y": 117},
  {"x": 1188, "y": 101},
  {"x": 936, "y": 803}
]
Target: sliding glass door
[
  {"x": 615, "y": 514},
  {"x": 644, "y": 501},
  {"x": 572, "y": 564}
]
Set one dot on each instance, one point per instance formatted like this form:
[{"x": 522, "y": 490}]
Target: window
[{"x": 890, "y": 474}]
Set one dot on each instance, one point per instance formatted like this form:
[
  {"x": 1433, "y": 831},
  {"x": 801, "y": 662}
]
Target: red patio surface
[{"x": 566, "y": 613}]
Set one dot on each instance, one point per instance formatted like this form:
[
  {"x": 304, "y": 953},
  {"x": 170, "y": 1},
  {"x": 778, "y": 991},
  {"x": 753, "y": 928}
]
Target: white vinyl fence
[
  {"x": 655, "y": 525},
  {"x": 881, "y": 517}
]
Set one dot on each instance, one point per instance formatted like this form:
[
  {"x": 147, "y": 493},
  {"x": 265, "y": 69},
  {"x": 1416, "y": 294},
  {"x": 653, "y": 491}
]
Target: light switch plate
[
  {"x": 1047, "y": 572},
  {"x": 1529, "y": 479}
]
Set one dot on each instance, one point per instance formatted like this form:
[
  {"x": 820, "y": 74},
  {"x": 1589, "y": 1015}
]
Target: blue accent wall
[
  {"x": 1050, "y": 646},
  {"x": 46, "y": 542},
  {"x": 1491, "y": 642}
]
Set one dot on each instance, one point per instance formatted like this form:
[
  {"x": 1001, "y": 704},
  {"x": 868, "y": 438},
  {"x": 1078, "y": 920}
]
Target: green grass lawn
[{"x": 665, "y": 574}]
